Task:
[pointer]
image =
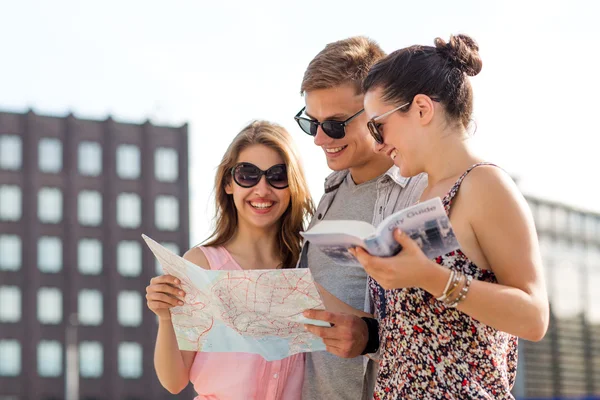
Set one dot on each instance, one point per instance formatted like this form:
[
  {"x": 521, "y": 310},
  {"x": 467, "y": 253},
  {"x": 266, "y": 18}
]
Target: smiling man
[{"x": 364, "y": 186}]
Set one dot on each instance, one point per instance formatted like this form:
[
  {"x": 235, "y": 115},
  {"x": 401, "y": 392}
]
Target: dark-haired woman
[{"x": 449, "y": 326}]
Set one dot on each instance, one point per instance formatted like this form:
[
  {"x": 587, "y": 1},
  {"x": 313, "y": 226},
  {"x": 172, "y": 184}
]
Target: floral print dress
[{"x": 429, "y": 351}]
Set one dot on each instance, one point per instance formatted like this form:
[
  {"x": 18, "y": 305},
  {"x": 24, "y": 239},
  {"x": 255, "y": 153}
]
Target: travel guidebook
[{"x": 426, "y": 223}]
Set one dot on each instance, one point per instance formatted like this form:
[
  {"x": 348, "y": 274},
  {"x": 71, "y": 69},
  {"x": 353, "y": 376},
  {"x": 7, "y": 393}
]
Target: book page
[
  {"x": 336, "y": 247},
  {"x": 426, "y": 223},
  {"x": 360, "y": 229},
  {"x": 334, "y": 238}
]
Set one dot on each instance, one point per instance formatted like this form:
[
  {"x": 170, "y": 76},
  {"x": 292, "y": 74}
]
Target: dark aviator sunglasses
[
  {"x": 333, "y": 129},
  {"x": 248, "y": 175}
]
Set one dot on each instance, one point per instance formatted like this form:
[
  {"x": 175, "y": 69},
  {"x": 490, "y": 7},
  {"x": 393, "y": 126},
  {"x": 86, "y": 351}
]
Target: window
[
  {"x": 10, "y": 203},
  {"x": 544, "y": 217},
  {"x": 578, "y": 253},
  {"x": 10, "y": 253},
  {"x": 90, "y": 359},
  {"x": 166, "y": 164},
  {"x": 593, "y": 257},
  {"x": 166, "y": 213},
  {"x": 89, "y": 256},
  {"x": 567, "y": 297},
  {"x": 50, "y": 254},
  {"x": 89, "y": 208},
  {"x": 562, "y": 249},
  {"x": 50, "y": 205},
  {"x": 576, "y": 223},
  {"x": 10, "y": 362},
  {"x": 129, "y": 210},
  {"x": 128, "y": 161},
  {"x": 11, "y": 153},
  {"x": 89, "y": 158},
  {"x": 592, "y": 309},
  {"x": 50, "y": 155},
  {"x": 10, "y": 304},
  {"x": 49, "y": 305},
  {"x": 129, "y": 308},
  {"x": 130, "y": 360},
  {"x": 129, "y": 258},
  {"x": 171, "y": 246},
  {"x": 560, "y": 220},
  {"x": 49, "y": 358},
  {"x": 590, "y": 227},
  {"x": 89, "y": 307}
]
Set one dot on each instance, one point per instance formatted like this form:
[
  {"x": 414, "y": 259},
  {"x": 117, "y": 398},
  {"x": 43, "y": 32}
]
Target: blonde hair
[
  {"x": 341, "y": 62},
  {"x": 301, "y": 207}
]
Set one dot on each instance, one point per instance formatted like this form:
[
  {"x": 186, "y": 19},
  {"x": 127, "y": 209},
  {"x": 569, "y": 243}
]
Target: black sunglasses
[
  {"x": 248, "y": 175},
  {"x": 333, "y": 129}
]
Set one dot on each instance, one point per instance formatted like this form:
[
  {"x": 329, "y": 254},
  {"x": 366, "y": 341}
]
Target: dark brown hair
[
  {"x": 344, "y": 61},
  {"x": 439, "y": 72}
]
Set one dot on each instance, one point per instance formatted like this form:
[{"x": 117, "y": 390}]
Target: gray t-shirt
[{"x": 328, "y": 376}]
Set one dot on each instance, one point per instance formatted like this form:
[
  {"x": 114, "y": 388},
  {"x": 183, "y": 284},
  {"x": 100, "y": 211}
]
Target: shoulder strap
[
  {"x": 214, "y": 255},
  {"x": 447, "y": 200},
  {"x": 303, "y": 260}
]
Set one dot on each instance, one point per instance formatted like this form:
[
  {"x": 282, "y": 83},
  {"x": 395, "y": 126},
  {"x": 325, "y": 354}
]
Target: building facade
[
  {"x": 566, "y": 363},
  {"x": 75, "y": 197}
]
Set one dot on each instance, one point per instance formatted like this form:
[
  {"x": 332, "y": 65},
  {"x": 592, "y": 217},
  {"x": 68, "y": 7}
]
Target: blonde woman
[{"x": 262, "y": 201}]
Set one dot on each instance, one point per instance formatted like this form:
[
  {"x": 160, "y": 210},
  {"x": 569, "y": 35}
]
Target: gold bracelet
[{"x": 450, "y": 280}]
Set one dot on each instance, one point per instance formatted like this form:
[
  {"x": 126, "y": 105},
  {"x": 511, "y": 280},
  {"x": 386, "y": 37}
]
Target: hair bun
[{"x": 463, "y": 53}]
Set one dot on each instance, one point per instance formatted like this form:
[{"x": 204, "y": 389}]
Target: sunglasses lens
[
  {"x": 333, "y": 129},
  {"x": 246, "y": 175},
  {"x": 309, "y": 127},
  {"x": 375, "y": 132},
  {"x": 277, "y": 176}
]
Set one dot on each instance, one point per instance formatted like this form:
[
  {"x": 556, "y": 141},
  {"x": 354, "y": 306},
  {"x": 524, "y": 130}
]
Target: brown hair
[
  {"x": 441, "y": 72},
  {"x": 344, "y": 61},
  {"x": 301, "y": 207}
]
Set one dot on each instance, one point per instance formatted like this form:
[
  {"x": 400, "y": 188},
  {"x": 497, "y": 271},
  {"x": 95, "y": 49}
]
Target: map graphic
[{"x": 250, "y": 311}]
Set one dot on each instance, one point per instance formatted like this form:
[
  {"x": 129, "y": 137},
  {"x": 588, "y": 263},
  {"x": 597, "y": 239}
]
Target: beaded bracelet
[
  {"x": 456, "y": 278},
  {"x": 463, "y": 292}
]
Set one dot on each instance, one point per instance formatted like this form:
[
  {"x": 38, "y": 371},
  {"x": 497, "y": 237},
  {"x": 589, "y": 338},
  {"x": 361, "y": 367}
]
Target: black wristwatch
[{"x": 373, "y": 340}]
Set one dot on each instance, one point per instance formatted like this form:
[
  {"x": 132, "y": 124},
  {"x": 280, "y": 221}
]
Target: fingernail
[
  {"x": 181, "y": 303},
  {"x": 177, "y": 281},
  {"x": 181, "y": 293}
]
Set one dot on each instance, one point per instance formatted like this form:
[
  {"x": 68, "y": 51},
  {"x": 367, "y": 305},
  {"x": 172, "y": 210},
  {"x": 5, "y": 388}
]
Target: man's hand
[{"x": 347, "y": 337}]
